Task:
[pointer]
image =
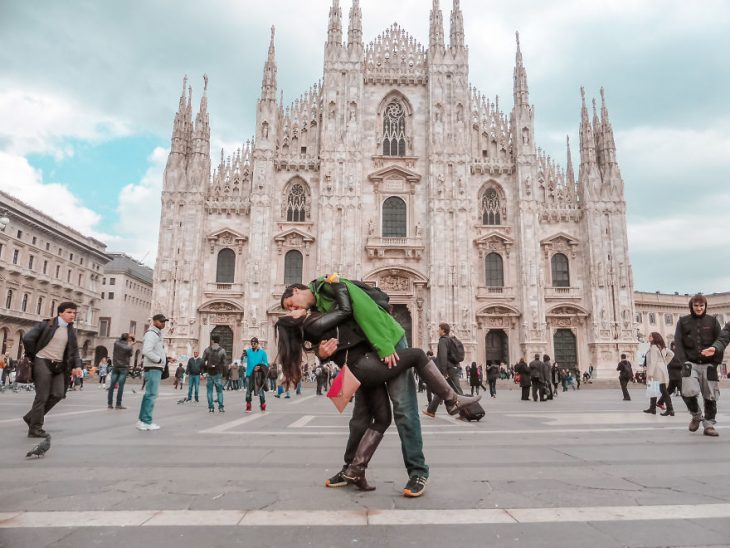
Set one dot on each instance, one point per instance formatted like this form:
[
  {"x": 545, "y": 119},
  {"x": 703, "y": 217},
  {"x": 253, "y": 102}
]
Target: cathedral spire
[
  {"x": 334, "y": 28},
  {"x": 177, "y": 145},
  {"x": 569, "y": 174},
  {"x": 521, "y": 93},
  {"x": 587, "y": 140},
  {"x": 609, "y": 144},
  {"x": 457, "y": 27},
  {"x": 354, "y": 29},
  {"x": 268, "y": 84},
  {"x": 436, "y": 33},
  {"x": 201, "y": 132}
]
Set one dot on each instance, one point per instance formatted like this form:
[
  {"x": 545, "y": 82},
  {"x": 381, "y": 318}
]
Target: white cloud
[
  {"x": 20, "y": 179},
  {"x": 139, "y": 211},
  {"x": 667, "y": 151},
  {"x": 40, "y": 122}
]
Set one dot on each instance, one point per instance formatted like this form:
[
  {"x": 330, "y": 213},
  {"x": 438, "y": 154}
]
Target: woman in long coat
[
  {"x": 656, "y": 370},
  {"x": 474, "y": 377}
]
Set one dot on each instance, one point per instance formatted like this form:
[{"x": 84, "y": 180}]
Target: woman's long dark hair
[
  {"x": 290, "y": 341},
  {"x": 658, "y": 340}
]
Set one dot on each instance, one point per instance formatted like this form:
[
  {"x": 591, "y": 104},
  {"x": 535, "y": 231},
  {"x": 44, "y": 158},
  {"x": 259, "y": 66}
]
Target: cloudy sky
[{"x": 88, "y": 91}]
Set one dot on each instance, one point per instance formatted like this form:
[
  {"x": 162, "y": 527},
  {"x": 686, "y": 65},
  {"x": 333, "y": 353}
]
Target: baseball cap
[
  {"x": 254, "y": 340},
  {"x": 160, "y": 318}
]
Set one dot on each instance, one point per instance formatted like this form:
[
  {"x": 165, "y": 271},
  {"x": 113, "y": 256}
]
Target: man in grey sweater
[{"x": 154, "y": 361}]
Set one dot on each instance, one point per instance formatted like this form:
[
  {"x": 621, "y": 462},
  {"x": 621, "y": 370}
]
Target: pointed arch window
[
  {"x": 394, "y": 218},
  {"x": 394, "y": 130},
  {"x": 494, "y": 267},
  {"x": 293, "y": 262},
  {"x": 296, "y": 204},
  {"x": 560, "y": 270},
  {"x": 491, "y": 207},
  {"x": 226, "y": 266}
]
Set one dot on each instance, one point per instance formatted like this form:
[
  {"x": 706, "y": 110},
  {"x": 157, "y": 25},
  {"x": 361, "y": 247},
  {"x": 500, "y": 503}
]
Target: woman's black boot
[
  {"x": 438, "y": 385},
  {"x": 355, "y": 473}
]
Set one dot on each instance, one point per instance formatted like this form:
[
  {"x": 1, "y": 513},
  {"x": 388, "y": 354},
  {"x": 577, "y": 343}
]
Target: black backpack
[{"x": 456, "y": 350}]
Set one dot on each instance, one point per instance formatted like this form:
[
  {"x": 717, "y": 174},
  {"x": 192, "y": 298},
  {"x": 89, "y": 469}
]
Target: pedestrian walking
[
  {"x": 154, "y": 359},
  {"x": 121, "y": 355},
  {"x": 699, "y": 348},
  {"x": 233, "y": 375},
  {"x": 656, "y": 371},
  {"x": 103, "y": 370},
  {"x": 215, "y": 365},
  {"x": 53, "y": 348},
  {"x": 447, "y": 365},
  {"x": 257, "y": 367},
  {"x": 473, "y": 374},
  {"x": 545, "y": 377},
  {"x": 674, "y": 368},
  {"x": 557, "y": 377},
  {"x": 492, "y": 376},
  {"x": 179, "y": 374},
  {"x": 625, "y": 374}
]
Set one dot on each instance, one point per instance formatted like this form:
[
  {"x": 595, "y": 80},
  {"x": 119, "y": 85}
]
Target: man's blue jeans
[
  {"x": 151, "y": 390},
  {"x": 193, "y": 380},
  {"x": 118, "y": 376},
  {"x": 402, "y": 392},
  {"x": 216, "y": 380}
]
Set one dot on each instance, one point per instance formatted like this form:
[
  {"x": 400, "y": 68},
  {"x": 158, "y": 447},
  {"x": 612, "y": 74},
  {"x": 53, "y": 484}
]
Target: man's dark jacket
[
  {"x": 195, "y": 366},
  {"x": 121, "y": 354},
  {"x": 41, "y": 334},
  {"x": 536, "y": 370},
  {"x": 624, "y": 370},
  {"x": 693, "y": 334}
]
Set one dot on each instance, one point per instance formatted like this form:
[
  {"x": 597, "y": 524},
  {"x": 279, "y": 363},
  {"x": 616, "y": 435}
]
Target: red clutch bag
[{"x": 343, "y": 388}]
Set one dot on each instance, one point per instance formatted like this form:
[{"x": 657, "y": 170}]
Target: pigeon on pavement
[{"x": 39, "y": 450}]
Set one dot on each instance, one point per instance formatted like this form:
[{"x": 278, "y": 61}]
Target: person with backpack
[
  {"x": 121, "y": 354},
  {"x": 625, "y": 374},
  {"x": 214, "y": 364},
  {"x": 449, "y": 354},
  {"x": 536, "y": 379},
  {"x": 53, "y": 348}
]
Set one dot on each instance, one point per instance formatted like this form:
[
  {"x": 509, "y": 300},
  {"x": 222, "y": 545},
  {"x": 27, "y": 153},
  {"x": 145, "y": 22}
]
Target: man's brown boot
[
  {"x": 710, "y": 431},
  {"x": 694, "y": 424}
]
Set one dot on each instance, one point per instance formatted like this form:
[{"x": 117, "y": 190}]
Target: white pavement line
[
  {"x": 301, "y": 422},
  {"x": 78, "y": 519},
  {"x": 188, "y": 517},
  {"x": 369, "y": 517},
  {"x": 223, "y": 428},
  {"x": 49, "y": 417},
  {"x": 289, "y": 518},
  {"x": 300, "y": 400},
  {"x": 438, "y": 517},
  {"x": 621, "y": 513}
]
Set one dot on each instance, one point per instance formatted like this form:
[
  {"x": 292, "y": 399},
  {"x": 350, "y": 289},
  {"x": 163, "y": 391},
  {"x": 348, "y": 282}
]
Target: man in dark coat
[
  {"x": 624, "y": 376},
  {"x": 122, "y": 353},
  {"x": 193, "y": 369},
  {"x": 547, "y": 386},
  {"x": 524, "y": 372},
  {"x": 492, "y": 376},
  {"x": 694, "y": 338},
  {"x": 54, "y": 350},
  {"x": 536, "y": 378}
]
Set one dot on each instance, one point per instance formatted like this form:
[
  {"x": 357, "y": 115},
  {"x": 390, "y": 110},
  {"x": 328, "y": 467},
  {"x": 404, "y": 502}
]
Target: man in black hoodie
[{"x": 694, "y": 338}]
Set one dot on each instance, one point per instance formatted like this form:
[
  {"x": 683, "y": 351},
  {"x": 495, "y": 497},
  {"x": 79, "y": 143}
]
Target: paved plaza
[{"x": 584, "y": 470}]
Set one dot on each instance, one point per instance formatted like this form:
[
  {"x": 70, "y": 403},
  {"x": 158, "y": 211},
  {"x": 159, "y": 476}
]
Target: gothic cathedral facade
[{"x": 393, "y": 169}]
